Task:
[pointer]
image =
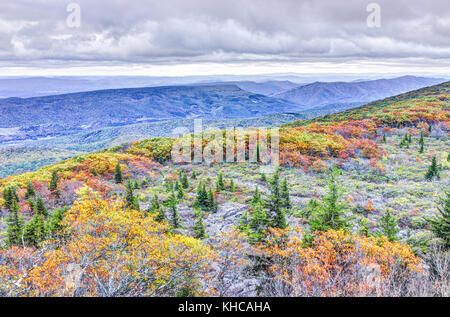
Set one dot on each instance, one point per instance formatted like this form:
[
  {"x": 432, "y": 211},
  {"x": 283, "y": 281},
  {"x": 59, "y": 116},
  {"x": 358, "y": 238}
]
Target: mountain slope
[
  {"x": 322, "y": 93},
  {"x": 69, "y": 113}
]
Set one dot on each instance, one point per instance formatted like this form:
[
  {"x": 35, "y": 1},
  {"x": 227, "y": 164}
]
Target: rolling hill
[
  {"x": 69, "y": 113},
  {"x": 323, "y": 93}
]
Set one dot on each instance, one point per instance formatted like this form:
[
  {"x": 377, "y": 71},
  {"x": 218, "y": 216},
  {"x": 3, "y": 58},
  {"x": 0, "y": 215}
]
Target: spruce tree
[
  {"x": 384, "y": 138},
  {"x": 118, "y": 178},
  {"x": 199, "y": 227},
  {"x": 202, "y": 197},
  {"x": 232, "y": 187},
  {"x": 274, "y": 204},
  {"x": 330, "y": 213},
  {"x": 54, "y": 181},
  {"x": 440, "y": 225},
  {"x": 285, "y": 199},
  {"x": 256, "y": 196},
  {"x": 212, "y": 204},
  {"x": 389, "y": 226},
  {"x": 421, "y": 143},
  {"x": 15, "y": 226},
  {"x": 220, "y": 185},
  {"x": 175, "y": 219},
  {"x": 130, "y": 198},
  {"x": 184, "y": 180},
  {"x": 258, "y": 223},
  {"x": 40, "y": 207},
  {"x": 433, "y": 170},
  {"x": 193, "y": 175},
  {"x": 364, "y": 227},
  {"x": 263, "y": 177},
  {"x": 55, "y": 226},
  {"x": 34, "y": 231},
  {"x": 30, "y": 190},
  {"x": 158, "y": 210},
  {"x": 10, "y": 195}
]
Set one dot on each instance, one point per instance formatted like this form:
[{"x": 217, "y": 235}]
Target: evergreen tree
[
  {"x": 32, "y": 204},
  {"x": 429, "y": 128},
  {"x": 169, "y": 186},
  {"x": 258, "y": 154},
  {"x": 432, "y": 170},
  {"x": 440, "y": 225},
  {"x": 256, "y": 196},
  {"x": 202, "y": 197},
  {"x": 384, "y": 138},
  {"x": 30, "y": 190},
  {"x": 263, "y": 177},
  {"x": 330, "y": 213},
  {"x": 180, "y": 193},
  {"x": 155, "y": 206},
  {"x": 158, "y": 210},
  {"x": 130, "y": 198},
  {"x": 232, "y": 186},
  {"x": 15, "y": 225},
  {"x": 421, "y": 143},
  {"x": 274, "y": 204},
  {"x": 54, "y": 223},
  {"x": 364, "y": 227},
  {"x": 175, "y": 220},
  {"x": 258, "y": 223},
  {"x": 34, "y": 231},
  {"x": 118, "y": 178},
  {"x": 10, "y": 195},
  {"x": 389, "y": 226},
  {"x": 40, "y": 207},
  {"x": 285, "y": 199},
  {"x": 184, "y": 180},
  {"x": 220, "y": 185},
  {"x": 199, "y": 227},
  {"x": 54, "y": 181},
  {"x": 193, "y": 175},
  {"x": 448, "y": 157},
  {"x": 212, "y": 204}
]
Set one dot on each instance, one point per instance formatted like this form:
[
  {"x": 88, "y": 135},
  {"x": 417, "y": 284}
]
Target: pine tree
[
  {"x": 330, "y": 213},
  {"x": 212, "y": 204},
  {"x": 440, "y": 225},
  {"x": 15, "y": 225},
  {"x": 32, "y": 204},
  {"x": 432, "y": 170},
  {"x": 54, "y": 181},
  {"x": 40, "y": 207},
  {"x": 232, "y": 186},
  {"x": 30, "y": 190},
  {"x": 256, "y": 196},
  {"x": 389, "y": 226},
  {"x": 55, "y": 226},
  {"x": 364, "y": 227},
  {"x": 258, "y": 223},
  {"x": 202, "y": 197},
  {"x": 175, "y": 220},
  {"x": 184, "y": 180},
  {"x": 220, "y": 185},
  {"x": 34, "y": 231},
  {"x": 199, "y": 227},
  {"x": 285, "y": 199},
  {"x": 158, "y": 210},
  {"x": 421, "y": 142},
  {"x": 118, "y": 178},
  {"x": 10, "y": 195},
  {"x": 130, "y": 198},
  {"x": 274, "y": 204},
  {"x": 180, "y": 193},
  {"x": 384, "y": 138}
]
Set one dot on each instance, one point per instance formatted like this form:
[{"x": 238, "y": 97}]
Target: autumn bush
[
  {"x": 111, "y": 251},
  {"x": 336, "y": 263}
]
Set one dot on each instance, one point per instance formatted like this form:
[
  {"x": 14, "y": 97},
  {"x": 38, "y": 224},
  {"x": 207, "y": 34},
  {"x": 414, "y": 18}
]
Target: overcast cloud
[{"x": 245, "y": 32}]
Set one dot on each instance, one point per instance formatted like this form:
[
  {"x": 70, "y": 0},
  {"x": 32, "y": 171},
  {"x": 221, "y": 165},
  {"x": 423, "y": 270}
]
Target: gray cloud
[{"x": 136, "y": 31}]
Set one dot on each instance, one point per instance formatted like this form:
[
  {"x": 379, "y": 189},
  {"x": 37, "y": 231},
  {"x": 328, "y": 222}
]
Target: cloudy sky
[{"x": 201, "y": 37}]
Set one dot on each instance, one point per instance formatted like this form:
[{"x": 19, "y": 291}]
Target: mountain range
[{"x": 358, "y": 92}]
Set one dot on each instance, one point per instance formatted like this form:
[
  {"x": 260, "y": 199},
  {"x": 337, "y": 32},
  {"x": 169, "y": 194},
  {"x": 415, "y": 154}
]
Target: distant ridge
[{"x": 322, "y": 93}]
